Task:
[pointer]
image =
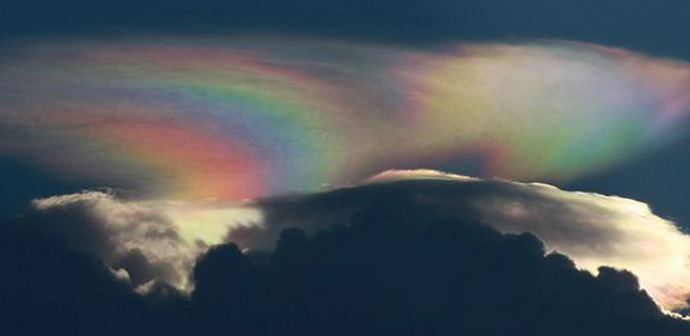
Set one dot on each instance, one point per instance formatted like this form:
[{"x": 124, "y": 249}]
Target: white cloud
[
  {"x": 416, "y": 174},
  {"x": 159, "y": 240}
]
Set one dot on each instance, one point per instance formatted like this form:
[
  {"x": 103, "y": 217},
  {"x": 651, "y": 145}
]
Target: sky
[{"x": 177, "y": 158}]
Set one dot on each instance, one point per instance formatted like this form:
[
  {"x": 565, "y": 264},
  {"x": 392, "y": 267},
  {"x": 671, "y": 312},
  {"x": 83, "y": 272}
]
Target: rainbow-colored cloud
[{"x": 242, "y": 117}]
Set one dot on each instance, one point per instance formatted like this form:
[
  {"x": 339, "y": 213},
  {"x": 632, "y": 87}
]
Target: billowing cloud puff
[
  {"x": 597, "y": 230},
  {"x": 160, "y": 240},
  {"x": 394, "y": 269},
  {"x": 144, "y": 240},
  {"x": 590, "y": 228}
]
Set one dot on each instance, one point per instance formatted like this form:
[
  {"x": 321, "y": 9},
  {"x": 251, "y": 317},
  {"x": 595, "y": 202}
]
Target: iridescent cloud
[{"x": 243, "y": 117}]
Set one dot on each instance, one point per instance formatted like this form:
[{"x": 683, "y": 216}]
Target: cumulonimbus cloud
[
  {"x": 590, "y": 228},
  {"x": 160, "y": 240}
]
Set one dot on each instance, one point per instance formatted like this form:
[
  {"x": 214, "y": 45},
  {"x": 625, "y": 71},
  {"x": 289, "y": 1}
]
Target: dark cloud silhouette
[
  {"x": 159, "y": 241},
  {"x": 594, "y": 230},
  {"x": 390, "y": 267},
  {"x": 395, "y": 269},
  {"x": 46, "y": 288}
]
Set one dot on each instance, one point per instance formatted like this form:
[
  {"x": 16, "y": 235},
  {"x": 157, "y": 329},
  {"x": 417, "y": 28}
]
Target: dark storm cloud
[
  {"x": 391, "y": 267},
  {"x": 594, "y": 230},
  {"x": 159, "y": 240},
  {"x": 47, "y": 287},
  {"x": 396, "y": 270}
]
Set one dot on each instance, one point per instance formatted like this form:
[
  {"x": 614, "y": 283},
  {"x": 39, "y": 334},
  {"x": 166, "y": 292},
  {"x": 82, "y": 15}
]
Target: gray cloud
[
  {"x": 592, "y": 229},
  {"x": 160, "y": 240}
]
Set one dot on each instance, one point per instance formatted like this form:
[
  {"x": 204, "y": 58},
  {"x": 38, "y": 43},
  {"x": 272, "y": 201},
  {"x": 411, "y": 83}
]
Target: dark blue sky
[{"x": 641, "y": 24}]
